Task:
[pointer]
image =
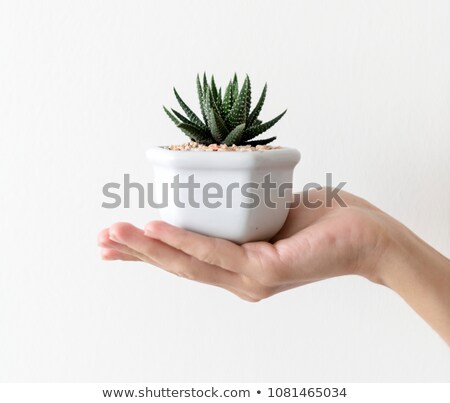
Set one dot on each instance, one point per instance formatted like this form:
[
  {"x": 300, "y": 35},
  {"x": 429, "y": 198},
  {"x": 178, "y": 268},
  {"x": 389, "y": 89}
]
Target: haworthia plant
[{"x": 227, "y": 119}]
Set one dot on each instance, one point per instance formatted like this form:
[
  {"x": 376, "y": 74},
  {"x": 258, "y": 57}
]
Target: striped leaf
[
  {"x": 206, "y": 103},
  {"x": 227, "y": 99},
  {"x": 255, "y": 113},
  {"x": 194, "y": 133},
  {"x": 260, "y": 142},
  {"x": 235, "y": 87},
  {"x": 185, "y": 120},
  {"x": 219, "y": 100},
  {"x": 248, "y": 101},
  {"x": 171, "y": 116},
  {"x": 200, "y": 98},
  {"x": 214, "y": 91},
  {"x": 254, "y": 131},
  {"x": 216, "y": 124},
  {"x": 235, "y": 135},
  {"x": 218, "y": 128},
  {"x": 191, "y": 115},
  {"x": 205, "y": 84},
  {"x": 238, "y": 113}
]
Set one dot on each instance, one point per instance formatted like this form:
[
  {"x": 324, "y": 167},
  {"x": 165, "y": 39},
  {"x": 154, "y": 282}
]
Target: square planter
[{"x": 226, "y": 193}]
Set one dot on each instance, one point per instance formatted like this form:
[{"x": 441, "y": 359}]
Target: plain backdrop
[{"x": 82, "y": 84}]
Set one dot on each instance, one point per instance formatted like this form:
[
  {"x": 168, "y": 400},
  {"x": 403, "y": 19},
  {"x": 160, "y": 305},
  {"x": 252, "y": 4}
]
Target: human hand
[{"x": 314, "y": 244}]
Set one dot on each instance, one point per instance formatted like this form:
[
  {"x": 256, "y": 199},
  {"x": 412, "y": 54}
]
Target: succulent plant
[{"x": 227, "y": 119}]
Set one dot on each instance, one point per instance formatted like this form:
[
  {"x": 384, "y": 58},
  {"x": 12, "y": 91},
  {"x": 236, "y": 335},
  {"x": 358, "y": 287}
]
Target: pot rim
[{"x": 278, "y": 158}]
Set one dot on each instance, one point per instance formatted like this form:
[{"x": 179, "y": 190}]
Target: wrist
[
  {"x": 405, "y": 260},
  {"x": 397, "y": 262},
  {"x": 395, "y": 252},
  {"x": 420, "y": 275}
]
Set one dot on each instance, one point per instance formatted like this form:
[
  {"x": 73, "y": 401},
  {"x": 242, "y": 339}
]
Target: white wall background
[{"x": 367, "y": 85}]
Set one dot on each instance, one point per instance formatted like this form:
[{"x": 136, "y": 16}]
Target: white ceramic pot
[{"x": 233, "y": 214}]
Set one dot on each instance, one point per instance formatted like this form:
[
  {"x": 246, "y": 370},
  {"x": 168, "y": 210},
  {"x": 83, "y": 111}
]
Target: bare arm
[
  {"x": 314, "y": 244},
  {"x": 421, "y": 276}
]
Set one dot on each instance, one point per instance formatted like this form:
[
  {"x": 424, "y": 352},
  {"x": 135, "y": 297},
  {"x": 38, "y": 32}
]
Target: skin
[{"x": 314, "y": 244}]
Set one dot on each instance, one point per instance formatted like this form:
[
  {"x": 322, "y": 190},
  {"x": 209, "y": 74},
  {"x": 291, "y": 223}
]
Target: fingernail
[
  {"x": 147, "y": 232},
  {"x": 113, "y": 237},
  {"x": 148, "y": 229}
]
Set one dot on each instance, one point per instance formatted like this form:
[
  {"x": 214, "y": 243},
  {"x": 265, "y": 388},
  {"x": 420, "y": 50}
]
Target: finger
[
  {"x": 104, "y": 241},
  {"x": 214, "y": 251},
  {"x": 172, "y": 259},
  {"x": 113, "y": 254}
]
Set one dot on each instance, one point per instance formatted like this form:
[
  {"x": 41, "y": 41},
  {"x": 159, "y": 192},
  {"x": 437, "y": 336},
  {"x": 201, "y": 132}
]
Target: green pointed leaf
[
  {"x": 206, "y": 89},
  {"x": 207, "y": 103},
  {"x": 214, "y": 91},
  {"x": 171, "y": 116},
  {"x": 235, "y": 87},
  {"x": 254, "y": 131},
  {"x": 199, "y": 84},
  {"x": 259, "y": 142},
  {"x": 227, "y": 99},
  {"x": 191, "y": 115},
  {"x": 185, "y": 120},
  {"x": 255, "y": 113},
  {"x": 195, "y": 134},
  {"x": 205, "y": 84},
  {"x": 200, "y": 94},
  {"x": 181, "y": 117},
  {"x": 238, "y": 113},
  {"x": 219, "y": 100},
  {"x": 248, "y": 100},
  {"x": 216, "y": 124},
  {"x": 235, "y": 135},
  {"x": 218, "y": 128}
]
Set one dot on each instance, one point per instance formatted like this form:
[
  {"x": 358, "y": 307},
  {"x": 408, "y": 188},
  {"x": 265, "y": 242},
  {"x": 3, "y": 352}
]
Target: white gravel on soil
[{"x": 192, "y": 146}]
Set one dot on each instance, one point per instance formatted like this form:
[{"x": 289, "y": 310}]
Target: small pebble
[{"x": 192, "y": 146}]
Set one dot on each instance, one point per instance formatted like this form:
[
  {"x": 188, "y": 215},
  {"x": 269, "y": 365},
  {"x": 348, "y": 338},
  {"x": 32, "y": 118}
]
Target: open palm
[{"x": 314, "y": 244}]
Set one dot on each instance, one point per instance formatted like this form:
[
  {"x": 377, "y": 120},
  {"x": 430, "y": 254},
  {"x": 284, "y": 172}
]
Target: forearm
[{"x": 421, "y": 276}]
